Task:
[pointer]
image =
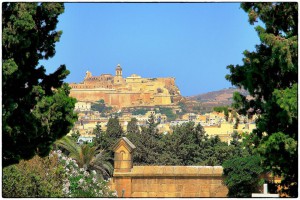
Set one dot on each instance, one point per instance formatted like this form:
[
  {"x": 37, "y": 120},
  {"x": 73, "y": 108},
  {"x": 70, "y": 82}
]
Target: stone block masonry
[
  {"x": 165, "y": 181},
  {"x": 122, "y": 92}
]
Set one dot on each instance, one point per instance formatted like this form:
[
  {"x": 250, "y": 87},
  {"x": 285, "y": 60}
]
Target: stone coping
[{"x": 174, "y": 171}]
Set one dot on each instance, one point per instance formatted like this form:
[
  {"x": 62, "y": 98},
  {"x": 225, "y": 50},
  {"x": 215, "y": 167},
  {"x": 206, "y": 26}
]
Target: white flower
[
  {"x": 94, "y": 172},
  {"x": 94, "y": 180},
  {"x": 66, "y": 190},
  {"x": 81, "y": 169},
  {"x": 75, "y": 173},
  {"x": 86, "y": 173},
  {"x": 81, "y": 181}
]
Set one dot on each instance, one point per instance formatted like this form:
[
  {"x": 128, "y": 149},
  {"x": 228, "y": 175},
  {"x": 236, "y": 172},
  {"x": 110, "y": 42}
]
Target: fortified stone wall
[
  {"x": 170, "y": 181},
  {"x": 120, "y": 99},
  {"x": 163, "y": 181},
  {"x": 125, "y": 92}
]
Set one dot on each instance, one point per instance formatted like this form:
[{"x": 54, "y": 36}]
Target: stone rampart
[
  {"x": 121, "y": 92},
  {"x": 122, "y": 98},
  {"x": 163, "y": 181},
  {"x": 170, "y": 181}
]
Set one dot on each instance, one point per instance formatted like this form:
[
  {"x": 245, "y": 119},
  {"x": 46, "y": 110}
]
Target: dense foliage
[
  {"x": 80, "y": 182},
  {"x": 87, "y": 157},
  {"x": 53, "y": 176},
  {"x": 101, "y": 107},
  {"x": 140, "y": 111},
  {"x": 132, "y": 127},
  {"x": 36, "y": 108},
  {"x": 270, "y": 74},
  {"x": 114, "y": 131},
  {"x": 222, "y": 109},
  {"x": 187, "y": 145},
  {"x": 242, "y": 176},
  {"x": 38, "y": 177},
  {"x": 168, "y": 112},
  {"x": 159, "y": 109}
]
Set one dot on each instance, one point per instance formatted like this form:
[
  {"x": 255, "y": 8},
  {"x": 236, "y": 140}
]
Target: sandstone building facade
[{"x": 121, "y": 92}]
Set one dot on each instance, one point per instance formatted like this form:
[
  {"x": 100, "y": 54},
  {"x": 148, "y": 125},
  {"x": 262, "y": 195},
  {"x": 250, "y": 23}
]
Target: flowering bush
[
  {"x": 34, "y": 178},
  {"x": 81, "y": 183}
]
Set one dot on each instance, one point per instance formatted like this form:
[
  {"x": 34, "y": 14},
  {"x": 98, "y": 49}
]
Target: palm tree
[{"x": 89, "y": 158}]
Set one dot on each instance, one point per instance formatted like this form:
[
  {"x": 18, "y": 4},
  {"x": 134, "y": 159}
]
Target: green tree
[
  {"x": 183, "y": 107},
  {"x": 268, "y": 74},
  {"x": 134, "y": 135},
  {"x": 100, "y": 139},
  {"x": 114, "y": 131},
  {"x": 88, "y": 157},
  {"x": 187, "y": 141},
  {"x": 222, "y": 109},
  {"x": 36, "y": 108},
  {"x": 242, "y": 176},
  {"x": 75, "y": 135},
  {"x": 132, "y": 127},
  {"x": 148, "y": 144},
  {"x": 168, "y": 112},
  {"x": 140, "y": 111},
  {"x": 38, "y": 177},
  {"x": 100, "y": 106}
]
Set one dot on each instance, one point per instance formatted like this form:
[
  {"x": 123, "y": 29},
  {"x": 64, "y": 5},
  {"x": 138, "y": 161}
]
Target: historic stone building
[{"x": 126, "y": 92}]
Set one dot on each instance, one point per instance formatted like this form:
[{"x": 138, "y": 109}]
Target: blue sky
[{"x": 193, "y": 42}]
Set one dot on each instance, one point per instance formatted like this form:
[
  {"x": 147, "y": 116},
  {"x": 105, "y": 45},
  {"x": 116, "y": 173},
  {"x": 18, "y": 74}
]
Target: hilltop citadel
[{"x": 122, "y": 92}]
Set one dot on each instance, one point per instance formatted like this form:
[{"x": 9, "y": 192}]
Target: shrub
[{"x": 81, "y": 183}]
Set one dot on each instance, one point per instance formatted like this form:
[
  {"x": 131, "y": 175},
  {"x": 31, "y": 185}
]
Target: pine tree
[
  {"x": 270, "y": 74},
  {"x": 100, "y": 139},
  {"x": 147, "y": 144},
  {"x": 36, "y": 107},
  {"x": 132, "y": 127},
  {"x": 114, "y": 130}
]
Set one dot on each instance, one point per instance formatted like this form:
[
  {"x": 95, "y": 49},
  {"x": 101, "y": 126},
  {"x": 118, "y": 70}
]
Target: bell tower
[
  {"x": 119, "y": 70},
  {"x": 118, "y": 79}
]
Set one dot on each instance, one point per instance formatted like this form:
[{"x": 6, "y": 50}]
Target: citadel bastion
[{"x": 122, "y": 92}]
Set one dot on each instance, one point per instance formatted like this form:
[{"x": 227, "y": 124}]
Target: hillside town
[
  {"x": 214, "y": 123},
  {"x": 153, "y": 94}
]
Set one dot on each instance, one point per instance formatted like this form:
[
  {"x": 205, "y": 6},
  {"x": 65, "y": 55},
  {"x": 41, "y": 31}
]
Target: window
[{"x": 122, "y": 155}]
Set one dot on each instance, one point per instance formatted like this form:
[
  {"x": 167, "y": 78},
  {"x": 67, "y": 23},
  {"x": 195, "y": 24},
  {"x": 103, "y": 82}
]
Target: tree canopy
[
  {"x": 270, "y": 74},
  {"x": 36, "y": 108},
  {"x": 242, "y": 175},
  {"x": 114, "y": 130}
]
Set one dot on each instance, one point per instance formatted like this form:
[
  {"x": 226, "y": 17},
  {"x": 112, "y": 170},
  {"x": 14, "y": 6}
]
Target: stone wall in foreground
[{"x": 170, "y": 181}]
